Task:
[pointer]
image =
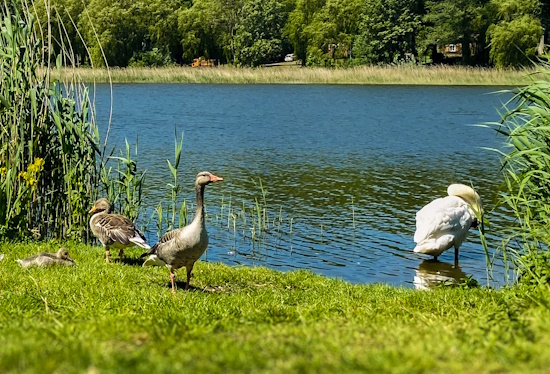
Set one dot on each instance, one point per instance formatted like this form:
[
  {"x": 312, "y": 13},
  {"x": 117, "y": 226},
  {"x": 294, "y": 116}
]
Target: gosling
[{"x": 47, "y": 259}]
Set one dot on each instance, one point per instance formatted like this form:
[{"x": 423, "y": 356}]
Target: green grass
[
  {"x": 405, "y": 75},
  {"x": 97, "y": 318}
]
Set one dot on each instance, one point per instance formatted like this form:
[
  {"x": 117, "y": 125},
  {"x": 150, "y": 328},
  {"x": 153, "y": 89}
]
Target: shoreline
[{"x": 363, "y": 75}]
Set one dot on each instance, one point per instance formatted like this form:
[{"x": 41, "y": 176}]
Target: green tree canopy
[
  {"x": 515, "y": 38},
  {"x": 298, "y": 20},
  {"x": 333, "y": 29},
  {"x": 455, "y": 21},
  {"x": 388, "y": 30},
  {"x": 258, "y": 37},
  {"x": 118, "y": 27}
]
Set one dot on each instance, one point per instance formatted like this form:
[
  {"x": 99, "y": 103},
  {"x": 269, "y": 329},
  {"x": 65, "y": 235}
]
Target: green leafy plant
[
  {"x": 526, "y": 171},
  {"x": 42, "y": 119}
]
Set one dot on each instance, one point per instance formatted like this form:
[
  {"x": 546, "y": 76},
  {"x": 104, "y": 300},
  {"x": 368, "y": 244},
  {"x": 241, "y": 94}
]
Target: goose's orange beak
[
  {"x": 92, "y": 210},
  {"x": 214, "y": 178}
]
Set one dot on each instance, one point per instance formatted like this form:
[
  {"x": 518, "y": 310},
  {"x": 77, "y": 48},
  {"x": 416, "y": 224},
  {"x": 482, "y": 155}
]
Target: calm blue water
[{"x": 343, "y": 169}]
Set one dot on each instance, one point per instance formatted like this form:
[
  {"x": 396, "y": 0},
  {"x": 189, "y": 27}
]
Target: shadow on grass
[
  {"x": 129, "y": 261},
  {"x": 180, "y": 287}
]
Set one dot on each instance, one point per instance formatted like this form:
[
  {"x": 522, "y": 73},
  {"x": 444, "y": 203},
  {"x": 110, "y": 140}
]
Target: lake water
[{"x": 343, "y": 169}]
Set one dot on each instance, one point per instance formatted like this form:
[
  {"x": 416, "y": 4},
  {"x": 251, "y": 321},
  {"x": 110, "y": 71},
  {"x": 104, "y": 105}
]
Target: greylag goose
[
  {"x": 46, "y": 259},
  {"x": 444, "y": 223},
  {"x": 114, "y": 230},
  {"x": 183, "y": 247}
]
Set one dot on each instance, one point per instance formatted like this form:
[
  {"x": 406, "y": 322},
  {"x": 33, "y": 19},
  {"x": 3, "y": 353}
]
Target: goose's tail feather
[{"x": 153, "y": 260}]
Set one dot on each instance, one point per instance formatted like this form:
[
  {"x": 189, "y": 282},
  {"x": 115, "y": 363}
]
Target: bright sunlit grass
[
  {"x": 120, "y": 317},
  {"x": 414, "y": 75}
]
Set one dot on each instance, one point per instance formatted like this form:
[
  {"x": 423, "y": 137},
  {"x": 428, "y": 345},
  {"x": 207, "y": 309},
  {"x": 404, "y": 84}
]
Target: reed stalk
[
  {"x": 48, "y": 140},
  {"x": 525, "y": 190}
]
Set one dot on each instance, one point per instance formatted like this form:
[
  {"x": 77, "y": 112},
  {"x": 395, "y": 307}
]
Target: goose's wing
[
  {"x": 120, "y": 229},
  {"x": 441, "y": 224},
  {"x": 167, "y": 241}
]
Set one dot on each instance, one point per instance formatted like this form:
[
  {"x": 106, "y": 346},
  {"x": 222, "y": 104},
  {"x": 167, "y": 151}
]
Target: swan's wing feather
[{"x": 446, "y": 220}]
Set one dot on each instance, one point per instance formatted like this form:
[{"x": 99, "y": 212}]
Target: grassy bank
[
  {"x": 407, "y": 75},
  {"x": 120, "y": 317}
]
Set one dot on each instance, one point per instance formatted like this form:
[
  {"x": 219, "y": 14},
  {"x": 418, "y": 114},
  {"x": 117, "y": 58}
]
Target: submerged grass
[
  {"x": 96, "y": 317},
  {"x": 413, "y": 75}
]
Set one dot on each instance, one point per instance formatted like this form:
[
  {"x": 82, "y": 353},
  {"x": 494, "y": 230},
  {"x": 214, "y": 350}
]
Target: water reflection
[{"x": 433, "y": 273}]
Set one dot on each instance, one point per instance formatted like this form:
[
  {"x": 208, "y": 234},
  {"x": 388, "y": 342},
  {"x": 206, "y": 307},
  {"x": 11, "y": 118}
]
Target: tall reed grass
[
  {"x": 48, "y": 141},
  {"x": 525, "y": 191},
  {"x": 409, "y": 75}
]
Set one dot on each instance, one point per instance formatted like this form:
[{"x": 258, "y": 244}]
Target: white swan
[{"x": 444, "y": 223}]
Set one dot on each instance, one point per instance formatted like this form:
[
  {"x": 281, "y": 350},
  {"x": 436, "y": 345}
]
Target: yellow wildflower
[
  {"x": 3, "y": 170},
  {"x": 39, "y": 163},
  {"x": 24, "y": 175}
]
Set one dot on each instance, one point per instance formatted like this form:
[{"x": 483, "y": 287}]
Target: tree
[
  {"x": 162, "y": 29},
  {"x": 298, "y": 20},
  {"x": 455, "y": 21},
  {"x": 119, "y": 28},
  {"x": 258, "y": 35},
  {"x": 515, "y": 38},
  {"x": 333, "y": 30},
  {"x": 388, "y": 30},
  {"x": 62, "y": 20}
]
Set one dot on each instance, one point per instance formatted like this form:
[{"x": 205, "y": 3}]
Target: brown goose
[
  {"x": 114, "y": 230},
  {"x": 46, "y": 259},
  {"x": 183, "y": 247}
]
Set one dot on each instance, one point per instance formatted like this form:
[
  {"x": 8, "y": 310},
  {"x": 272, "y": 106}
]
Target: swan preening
[
  {"x": 114, "y": 230},
  {"x": 183, "y": 247},
  {"x": 444, "y": 223}
]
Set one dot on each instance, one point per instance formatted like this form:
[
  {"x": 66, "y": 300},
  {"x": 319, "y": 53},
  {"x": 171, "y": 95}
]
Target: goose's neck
[
  {"x": 199, "y": 215},
  {"x": 97, "y": 215}
]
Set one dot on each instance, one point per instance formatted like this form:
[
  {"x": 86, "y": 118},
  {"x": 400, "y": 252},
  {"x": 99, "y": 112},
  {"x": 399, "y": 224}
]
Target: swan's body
[
  {"x": 183, "y": 247},
  {"x": 114, "y": 230},
  {"x": 444, "y": 223},
  {"x": 47, "y": 259}
]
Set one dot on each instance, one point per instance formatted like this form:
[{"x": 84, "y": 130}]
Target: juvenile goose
[
  {"x": 183, "y": 247},
  {"x": 47, "y": 259},
  {"x": 114, "y": 230},
  {"x": 444, "y": 223}
]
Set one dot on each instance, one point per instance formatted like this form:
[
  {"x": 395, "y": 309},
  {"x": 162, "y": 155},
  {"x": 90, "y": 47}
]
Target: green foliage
[
  {"x": 319, "y": 32},
  {"x": 464, "y": 21},
  {"x": 58, "y": 25},
  {"x": 259, "y": 33},
  {"x": 298, "y": 21},
  {"x": 48, "y": 144},
  {"x": 124, "y": 189},
  {"x": 199, "y": 32},
  {"x": 332, "y": 32},
  {"x": 526, "y": 187},
  {"x": 388, "y": 31},
  {"x": 114, "y": 30},
  {"x": 152, "y": 58},
  {"x": 515, "y": 38},
  {"x": 511, "y": 9}
]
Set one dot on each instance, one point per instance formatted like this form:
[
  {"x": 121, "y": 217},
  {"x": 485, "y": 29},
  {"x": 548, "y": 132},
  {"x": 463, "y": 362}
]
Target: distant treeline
[{"x": 319, "y": 32}]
